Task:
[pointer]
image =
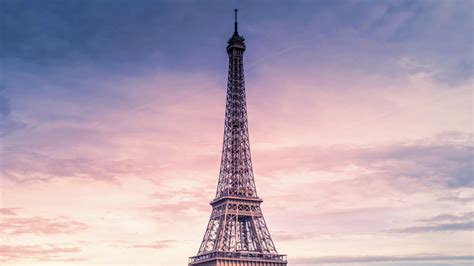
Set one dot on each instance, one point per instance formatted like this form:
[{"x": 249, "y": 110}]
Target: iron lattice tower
[{"x": 236, "y": 233}]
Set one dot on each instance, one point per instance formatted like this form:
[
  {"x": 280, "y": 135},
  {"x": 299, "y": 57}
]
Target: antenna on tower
[{"x": 235, "y": 23}]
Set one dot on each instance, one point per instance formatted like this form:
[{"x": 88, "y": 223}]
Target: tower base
[
  {"x": 237, "y": 262},
  {"x": 237, "y": 259}
]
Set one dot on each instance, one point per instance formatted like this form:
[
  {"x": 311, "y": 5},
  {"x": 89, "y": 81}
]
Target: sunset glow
[{"x": 360, "y": 120}]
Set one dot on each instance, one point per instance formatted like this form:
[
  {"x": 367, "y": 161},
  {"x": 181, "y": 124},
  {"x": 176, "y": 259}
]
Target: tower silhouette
[{"x": 236, "y": 233}]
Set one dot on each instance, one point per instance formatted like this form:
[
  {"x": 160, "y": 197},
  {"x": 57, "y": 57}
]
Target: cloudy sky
[{"x": 360, "y": 118}]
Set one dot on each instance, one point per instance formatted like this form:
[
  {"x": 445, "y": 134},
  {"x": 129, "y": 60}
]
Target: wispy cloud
[
  {"x": 456, "y": 198},
  {"x": 423, "y": 165},
  {"x": 8, "y": 124},
  {"x": 26, "y": 166},
  {"x": 445, "y": 227},
  {"x": 40, "y": 226},
  {"x": 8, "y": 211},
  {"x": 441, "y": 223},
  {"x": 181, "y": 201},
  {"x": 290, "y": 236},
  {"x": 110, "y": 117},
  {"x": 449, "y": 217},
  {"x": 46, "y": 252},
  {"x": 160, "y": 244},
  {"x": 366, "y": 259}
]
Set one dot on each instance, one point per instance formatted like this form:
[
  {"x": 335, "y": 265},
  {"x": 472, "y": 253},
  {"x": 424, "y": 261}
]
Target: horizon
[{"x": 360, "y": 122}]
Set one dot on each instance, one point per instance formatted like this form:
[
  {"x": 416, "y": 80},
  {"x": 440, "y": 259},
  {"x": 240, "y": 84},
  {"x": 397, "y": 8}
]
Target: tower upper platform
[{"x": 236, "y": 41}]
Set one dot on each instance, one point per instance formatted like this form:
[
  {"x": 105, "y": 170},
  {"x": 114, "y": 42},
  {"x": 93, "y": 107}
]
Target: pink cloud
[
  {"x": 180, "y": 201},
  {"x": 40, "y": 226},
  {"x": 8, "y": 211},
  {"x": 291, "y": 236},
  {"x": 37, "y": 252},
  {"x": 26, "y": 166},
  {"x": 160, "y": 244},
  {"x": 329, "y": 155}
]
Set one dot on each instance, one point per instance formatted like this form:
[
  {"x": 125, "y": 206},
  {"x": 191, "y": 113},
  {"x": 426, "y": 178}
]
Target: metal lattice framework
[{"x": 236, "y": 228}]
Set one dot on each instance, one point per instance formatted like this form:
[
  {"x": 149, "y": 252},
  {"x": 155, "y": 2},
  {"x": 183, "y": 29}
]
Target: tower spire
[{"x": 236, "y": 32}]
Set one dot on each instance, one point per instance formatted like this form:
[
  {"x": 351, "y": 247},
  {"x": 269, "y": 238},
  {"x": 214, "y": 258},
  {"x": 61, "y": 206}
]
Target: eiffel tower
[{"x": 236, "y": 233}]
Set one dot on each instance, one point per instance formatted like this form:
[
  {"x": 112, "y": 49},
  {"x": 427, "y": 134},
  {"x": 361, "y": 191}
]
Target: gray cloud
[
  {"x": 456, "y": 198},
  {"x": 55, "y": 32},
  {"x": 7, "y": 123},
  {"x": 4, "y": 105},
  {"x": 367, "y": 259},
  {"x": 111, "y": 33},
  {"x": 449, "y": 217},
  {"x": 446, "y": 227},
  {"x": 446, "y": 222},
  {"x": 457, "y": 73},
  {"x": 425, "y": 164},
  {"x": 446, "y": 165},
  {"x": 9, "y": 126}
]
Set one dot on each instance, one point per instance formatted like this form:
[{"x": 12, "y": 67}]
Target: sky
[{"x": 360, "y": 120}]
